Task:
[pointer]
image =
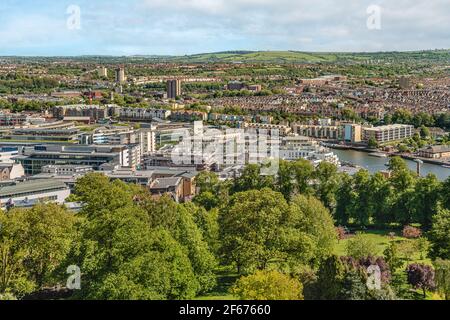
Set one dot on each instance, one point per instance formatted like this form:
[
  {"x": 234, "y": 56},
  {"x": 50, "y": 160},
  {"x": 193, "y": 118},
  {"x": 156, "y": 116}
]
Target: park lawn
[{"x": 381, "y": 240}]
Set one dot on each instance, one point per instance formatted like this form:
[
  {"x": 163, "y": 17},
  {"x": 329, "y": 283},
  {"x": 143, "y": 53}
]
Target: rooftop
[
  {"x": 165, "y": 183},
  {"x": 437, "y": 149},
  {"x": 31, "y": 186},
  {"x": 389, "y": 127}
]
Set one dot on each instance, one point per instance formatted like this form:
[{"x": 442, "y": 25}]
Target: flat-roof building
[
  {"x": 389, "y": 133},
  {"x": 47, "y": 190}
]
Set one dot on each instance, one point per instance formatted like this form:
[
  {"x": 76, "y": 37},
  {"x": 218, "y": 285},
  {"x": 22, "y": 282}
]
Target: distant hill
[
  {"x": 276, "y": 57},
  {"x": 311, "y": 57}
]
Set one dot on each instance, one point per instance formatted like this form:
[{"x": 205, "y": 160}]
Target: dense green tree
[
  {"x": 33, "y": 243},
  {"x": 425, "y": 199},
  {"x": 353, "y": 286},
  {"x": 330, "y": 278},
  {"x": 285, "y": 179},
  {"x": 180, "y": 222},
  {"x": 344, "y": 200},
  {"x": 445, "y": 194},
  {"x": 252, "y": 179},
  {"x": 250, "y": 226},
  {"x": 207, "y": 200},
  {"x": 327, "y": 183},
  {"x": 309, "y": 215},
  {"x": 442, "y": 277},
  {"x": 381, "y": 195},
  {"x": 303, "y": 172},
  {"x": 439, "y": 235},
  {"x": 207, "y": 222},
  {"x": 207, "y": 182},
  {"x": 362, "y": 205},
  {"x": 372, "y": 143}
]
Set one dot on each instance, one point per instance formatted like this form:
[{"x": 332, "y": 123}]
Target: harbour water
[{"x": 375, "y": 164}]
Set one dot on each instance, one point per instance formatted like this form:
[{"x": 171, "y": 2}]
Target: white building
[
  {"x": 6, "y": 154},
  {"x": 142, "y": 114},
  {"x": 33, "y": 191},
  {"x": 389, "y": 133},
  {"x": 300, "y": 147}
]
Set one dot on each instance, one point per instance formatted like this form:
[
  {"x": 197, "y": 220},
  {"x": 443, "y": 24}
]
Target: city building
[
  {"x": 168, "y": 186},
  {"x": 52, "y": 132},
  {"x": 139, "y": 114},
  {"x": 388, "y": 133},
  {"x": 404, "y": 83},
  {"x": 7, "y": 154},
  {"x": 235, "y": 85},
  {"x": 103, "y": 72},
  {"x": 94, "y": 112},
  {"x": 188, "y": 116},
  {"x": 334, "y": 132},
  {"x": 435, "y": 152},
  {"x": 282, "y": 130},
  {"x": 66, "y": 94},
  {"x": 12, "y": 119},
  {"x": 11, "y": 171},
  {"x": 120, "y": 75},
  {"x": 32, "y": 192},
  {"x": 352, "y": 133},
  {"x": 254, "y": 87},
  {"x": 35, "y": 158},
  {"x": 299, "y": 147},
  {"x": 173, "y": 88}
]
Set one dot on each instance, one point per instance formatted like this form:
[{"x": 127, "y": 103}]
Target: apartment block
[{"x": 389, "y": 133}]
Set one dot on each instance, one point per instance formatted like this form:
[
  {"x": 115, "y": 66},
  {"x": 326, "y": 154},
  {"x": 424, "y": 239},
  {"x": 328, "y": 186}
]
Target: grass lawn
[{"x": 381, "y": 239}]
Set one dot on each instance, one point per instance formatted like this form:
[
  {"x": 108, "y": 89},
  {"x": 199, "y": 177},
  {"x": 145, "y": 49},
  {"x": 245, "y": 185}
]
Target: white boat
[{"x": 378, "y": 155}]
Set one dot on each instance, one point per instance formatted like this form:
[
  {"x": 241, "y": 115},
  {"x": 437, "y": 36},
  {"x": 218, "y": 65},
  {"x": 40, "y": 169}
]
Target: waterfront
[{"x": 375, "y": 164}]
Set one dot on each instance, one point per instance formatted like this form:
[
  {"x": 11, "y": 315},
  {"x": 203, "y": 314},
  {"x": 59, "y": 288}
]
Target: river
[{"x": 375, "y": 164}]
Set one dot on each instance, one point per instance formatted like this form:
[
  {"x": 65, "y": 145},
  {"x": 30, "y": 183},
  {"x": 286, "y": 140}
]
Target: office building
[
  {"x": 36, "y": 157},
  {"x": 49, "y": 132}
]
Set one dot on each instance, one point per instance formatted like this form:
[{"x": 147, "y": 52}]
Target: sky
[{"x": 179, "y": 27}]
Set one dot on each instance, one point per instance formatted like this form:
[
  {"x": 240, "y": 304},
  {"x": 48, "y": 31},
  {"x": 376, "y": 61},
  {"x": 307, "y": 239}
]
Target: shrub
[
  {"x": 411, "y": 232},
  {"x": 268, "y": 285}
]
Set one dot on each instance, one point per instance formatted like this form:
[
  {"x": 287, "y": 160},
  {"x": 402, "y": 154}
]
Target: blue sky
[{"x": 177, "y": 27}]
